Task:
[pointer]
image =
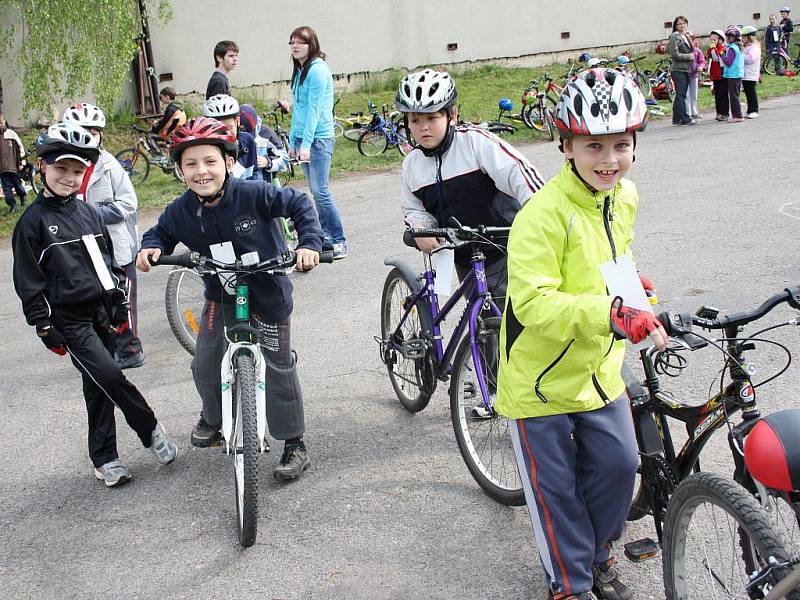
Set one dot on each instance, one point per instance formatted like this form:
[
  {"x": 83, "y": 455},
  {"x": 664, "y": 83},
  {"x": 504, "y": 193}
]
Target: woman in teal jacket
[{"x": 311, "y": 136}]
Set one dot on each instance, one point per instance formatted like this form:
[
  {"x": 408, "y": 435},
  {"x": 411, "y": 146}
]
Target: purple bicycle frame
[{"x": 476, "y": 293}]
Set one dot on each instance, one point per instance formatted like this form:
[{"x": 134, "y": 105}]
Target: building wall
[{"x": 361, "y": 36}]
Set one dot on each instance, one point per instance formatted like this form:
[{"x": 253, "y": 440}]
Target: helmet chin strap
[{"x": 214, "y": 197}]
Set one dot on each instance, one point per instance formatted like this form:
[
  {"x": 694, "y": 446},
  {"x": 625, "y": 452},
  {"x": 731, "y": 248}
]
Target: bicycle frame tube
[{"x": 480, "y": 296}]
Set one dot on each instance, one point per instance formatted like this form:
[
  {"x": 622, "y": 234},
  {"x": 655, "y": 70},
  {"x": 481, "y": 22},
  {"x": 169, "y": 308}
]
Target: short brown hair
[
  {"x": 222, "y": 48},
  {"x": 168, "y": 92}
]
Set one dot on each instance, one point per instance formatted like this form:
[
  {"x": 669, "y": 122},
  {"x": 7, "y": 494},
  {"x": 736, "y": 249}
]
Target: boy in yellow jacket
[{"x": 561, "y": 340}]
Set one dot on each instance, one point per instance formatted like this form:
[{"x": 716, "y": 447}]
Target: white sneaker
[
  {"x": 113, "y": 473},
  {"x": 163, "y": 449},
  {"x": 752, "y": 115}
]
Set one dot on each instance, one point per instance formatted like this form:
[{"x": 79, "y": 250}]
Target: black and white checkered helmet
[
  {"x": 86, "y": 115},
  {"x": 601, "y": 102},
  {"x": 428, "y": 91},
  {"x": 220, "y": 106}
]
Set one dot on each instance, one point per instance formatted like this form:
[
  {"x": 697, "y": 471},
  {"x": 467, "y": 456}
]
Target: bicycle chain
[{"x": 659, "y": 478}]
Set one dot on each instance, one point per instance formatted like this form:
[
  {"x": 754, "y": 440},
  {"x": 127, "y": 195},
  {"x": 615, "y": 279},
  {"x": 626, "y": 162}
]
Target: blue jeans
[{"x": 317, "y": 172}]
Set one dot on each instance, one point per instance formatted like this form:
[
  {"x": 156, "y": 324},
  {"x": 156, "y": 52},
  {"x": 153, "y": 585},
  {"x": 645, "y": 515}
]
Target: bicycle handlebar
[
  {"x": 681, "y": 323},
  {"x": 452, "y": 234},
  {"x": 195, "y": 259}
]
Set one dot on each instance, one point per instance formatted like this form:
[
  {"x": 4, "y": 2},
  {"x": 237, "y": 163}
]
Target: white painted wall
[{"x": 373, "y": 35}]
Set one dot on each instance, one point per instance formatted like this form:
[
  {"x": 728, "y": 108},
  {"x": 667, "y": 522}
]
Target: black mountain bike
[{"x": 662, "y": 468}]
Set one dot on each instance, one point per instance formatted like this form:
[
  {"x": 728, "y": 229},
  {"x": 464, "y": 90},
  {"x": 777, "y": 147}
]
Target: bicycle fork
[{"x": 228, "y": 378}]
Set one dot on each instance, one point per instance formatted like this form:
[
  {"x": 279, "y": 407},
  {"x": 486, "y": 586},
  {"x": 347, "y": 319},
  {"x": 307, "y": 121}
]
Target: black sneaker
[
  {"x": 205, "y": 436},
  {"x": 131, "y": 362},
  {"x": 606, "y": 584},
  {"x": 293, "y": 462}
]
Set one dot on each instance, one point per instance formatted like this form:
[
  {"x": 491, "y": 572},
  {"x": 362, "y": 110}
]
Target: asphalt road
[{"x": 388, "y": 509}]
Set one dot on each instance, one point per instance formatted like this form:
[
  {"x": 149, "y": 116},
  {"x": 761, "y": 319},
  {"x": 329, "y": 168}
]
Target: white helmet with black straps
[
  {"x": 86, "y": 115},
  {"x": 601, "y": 102},
  {"x": 220, "y": 106},
  {"x": 67, "y": 140},
  {"x": 427, "y": 91}
]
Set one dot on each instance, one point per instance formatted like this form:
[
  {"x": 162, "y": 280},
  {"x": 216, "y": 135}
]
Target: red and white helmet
[
  {"x": 202, "y": 131},
  {"x": 601, "y": 102},
  {"x": 86, "y": 115}
]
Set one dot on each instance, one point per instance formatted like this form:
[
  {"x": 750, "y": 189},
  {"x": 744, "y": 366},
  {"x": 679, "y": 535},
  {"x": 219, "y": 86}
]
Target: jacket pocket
[{"x": 549, "y": 368}]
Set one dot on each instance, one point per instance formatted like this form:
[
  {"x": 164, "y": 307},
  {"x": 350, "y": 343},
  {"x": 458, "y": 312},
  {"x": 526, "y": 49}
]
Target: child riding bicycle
[
  {"x": 73, "y": 293},
  {"x": 224, "y": 217},
  {"x": 458, "y": 171},
  {"x": 559, "y": 373}
]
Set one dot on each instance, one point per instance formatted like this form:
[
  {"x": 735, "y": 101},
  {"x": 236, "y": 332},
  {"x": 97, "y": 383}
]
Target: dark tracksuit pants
[
  {"x": 721, "y": 101},
  {"x": 285, "y": 417},
  {"x": 128, "y": 342},
  {"x": 734, "y": 89},
  {"x": 751, "y": 94},
  {"x": 91, "y": 348},
  {"x": 578, "y": 473},
  {"x": 12, "y": 183}
]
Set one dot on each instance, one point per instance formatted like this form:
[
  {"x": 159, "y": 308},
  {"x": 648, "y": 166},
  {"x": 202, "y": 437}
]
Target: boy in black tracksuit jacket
[
  {"x": 240, "y": 214},
  {"x": 74, "y": 294}
]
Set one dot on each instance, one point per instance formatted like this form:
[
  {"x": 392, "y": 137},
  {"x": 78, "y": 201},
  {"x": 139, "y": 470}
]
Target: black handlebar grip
[
  {"x": 408, "y": 239},
  {"x": 188, "y": 259},
  {"x": 326, "y": 256}
]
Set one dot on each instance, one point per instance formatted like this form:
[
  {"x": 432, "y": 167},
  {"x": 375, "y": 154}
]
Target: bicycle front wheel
[
  {"x": 644, "y": 84},
  {"x": 373, "y": 143},
  {"x": 785, "y": 517},
  {"x": 404, "y": 143},
  {"x": 768, "y": 65},
  {"x": 184, "y": 300},
  {"x": 245, "y": 449},
  {"x": 482, "y": 435},
  {"x": 354, "y": 134},
  {"x": 536, "y": 118},
  {"x": 406, "y": 374},
  {"x": 715, "y": 535},
  {"x": 135, "y": 164}
]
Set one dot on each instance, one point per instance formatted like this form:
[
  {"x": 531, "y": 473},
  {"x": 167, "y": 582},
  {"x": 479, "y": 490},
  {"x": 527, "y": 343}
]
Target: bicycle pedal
[
  {"x": 414, "y": 348},
  {"x": 470, "y": 391},
  {"x": 479, "y": 411},
  {"x": 640, "y": 550}
]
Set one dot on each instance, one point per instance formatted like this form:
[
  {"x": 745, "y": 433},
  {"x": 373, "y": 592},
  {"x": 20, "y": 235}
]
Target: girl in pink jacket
[
  {"x": 698, "y": 64},
  {"x": 752, "y": 66}
]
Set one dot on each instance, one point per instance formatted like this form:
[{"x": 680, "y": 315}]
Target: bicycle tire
[
  {"x": 372, "y": 143},
  {"x": 354, "y": 134},
  {"x": 669, "y": 86},
  {"x": 135, "y": 164},
  {"x": 643, "y": 83},
  {"x": 245, "y": 449},
  {"x": 406, "y": 375},
  {"x": 551, "y": 123},
  {"x": 785, "y": 517},
  {"x": 285, "y": 143},
  {"x": 536, "y": 116},
  {"x": 483, "y": 441},
  {"x": 526, "y": 115},
  {"x": 499, "y": 128},
  {"x": 184, "y": 302},
  {"x": 37, "y": 185},
  {"x": 404, "y": 143},
  {"x": 338, "y": 130},
  {"x": 768, "y": 64},
  {"x": 755, "y": 539}
]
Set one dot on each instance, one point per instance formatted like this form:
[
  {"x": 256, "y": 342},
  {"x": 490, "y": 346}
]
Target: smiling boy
[
  {"x": 220, "y": 213},
  {"x": 559, "y": 376}
]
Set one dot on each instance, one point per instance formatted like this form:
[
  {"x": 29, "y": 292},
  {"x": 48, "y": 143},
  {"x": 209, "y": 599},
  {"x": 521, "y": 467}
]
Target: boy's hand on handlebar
[
  {"x": 637, "y": 325},
  {"x": 144, "y": 256},
  {"x": 306, "y": 259},
  {"x": 428, "y": 244}
]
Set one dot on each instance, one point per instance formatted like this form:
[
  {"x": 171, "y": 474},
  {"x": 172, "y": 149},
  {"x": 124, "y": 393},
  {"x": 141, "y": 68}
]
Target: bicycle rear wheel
[
  {"x": 245, "y": 449},
  {"x": 404, "y": 143},
  {"x": 373, "y": 143},
  {"x": 768, "y": 65},
  {"x": 184, "y": 300},
  {"x": 715, "y": 535},
  {"x": 354, "y": 134},
  {"x": 482, "y": 436},
  {"x": 135, "y": 164},
  {"x": 406, "y": 374}
]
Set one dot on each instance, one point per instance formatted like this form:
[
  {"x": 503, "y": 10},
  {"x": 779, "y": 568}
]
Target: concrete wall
[{"x": 362, "y": 36}]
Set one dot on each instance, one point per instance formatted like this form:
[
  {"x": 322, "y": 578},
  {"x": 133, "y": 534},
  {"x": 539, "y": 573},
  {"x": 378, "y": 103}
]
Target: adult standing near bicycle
[
  {"x": 73, "y": 293},
  {"x": 107, "y": 187},
  {"x": 226, "y": 59},
  {"x": 225, "y": 218},
  {"x": 559, "y": 370},
  {"x": 311, "y": 137},
  {"x": 681, "y": 50}
]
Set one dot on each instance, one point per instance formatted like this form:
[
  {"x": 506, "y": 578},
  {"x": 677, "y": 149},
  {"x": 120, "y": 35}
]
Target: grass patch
[{"x": 479, "y": 90}]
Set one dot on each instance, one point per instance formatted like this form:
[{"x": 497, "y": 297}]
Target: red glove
[
  {"x": 52, "y": 339},
  {"x": 632, "y": 323},
  {"x": 649, "y": 289}
]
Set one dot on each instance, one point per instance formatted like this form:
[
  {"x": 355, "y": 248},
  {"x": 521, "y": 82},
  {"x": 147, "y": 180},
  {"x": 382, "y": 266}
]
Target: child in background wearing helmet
[
  {"x": 772, "y": 43},
  {"x": 173, "y": 116},
  {"x": 733, "y": 71},
  {"x": 559, "y": 378},
  {"x": 717, "y": 49},
  {"x": 225, "y": 109},
  {"x": 462, "y": 172},
  {"x": 108, "y": 188},
  {"x": 698, "y": 64},
  {"x": 752, "y": 69},
  {"x": 787, "y": 27},
  {"x": 272, "y": 158},
  {"x": 235, "y": 217},
  {"x": 73, "y": 293}
]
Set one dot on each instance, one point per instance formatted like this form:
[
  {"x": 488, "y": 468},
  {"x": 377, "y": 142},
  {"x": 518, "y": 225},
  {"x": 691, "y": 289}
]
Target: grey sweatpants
[
  {"x": 285, "y": 416},
  {"x": 578, "y": 473}
]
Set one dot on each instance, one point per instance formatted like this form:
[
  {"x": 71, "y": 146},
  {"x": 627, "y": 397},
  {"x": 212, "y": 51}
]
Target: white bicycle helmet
[
  {"x": 67, "y": 140},
  {"x": 86, "y": 115},
  {"x": 220, "y": 106},
  {"x": 428, "y": 91},
  {"x": 601, "y": 102}
]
